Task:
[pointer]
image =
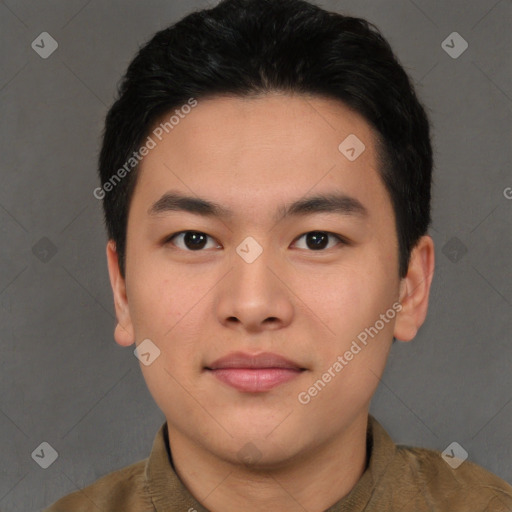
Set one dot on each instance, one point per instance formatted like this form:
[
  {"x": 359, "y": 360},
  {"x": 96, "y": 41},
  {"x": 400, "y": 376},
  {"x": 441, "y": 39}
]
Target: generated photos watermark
[
  {"x": 151, "y": 143},
  {"x": 305, "y": 397}
]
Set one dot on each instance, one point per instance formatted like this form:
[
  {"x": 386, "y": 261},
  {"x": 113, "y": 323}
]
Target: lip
[
  {"x": 253, "y": 373},
  {"x": 259, "y": 361}
]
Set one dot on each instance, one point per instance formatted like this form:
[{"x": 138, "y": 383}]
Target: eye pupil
[
  {"x": 319, "y": 239},
  {"x": 194, "y": 240}
]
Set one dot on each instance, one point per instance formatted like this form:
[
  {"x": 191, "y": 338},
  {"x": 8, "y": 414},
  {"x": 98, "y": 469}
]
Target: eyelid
[{"x": 341, "y": 239}]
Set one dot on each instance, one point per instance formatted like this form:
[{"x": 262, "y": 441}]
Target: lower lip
[{"x": 255, "y": 380}]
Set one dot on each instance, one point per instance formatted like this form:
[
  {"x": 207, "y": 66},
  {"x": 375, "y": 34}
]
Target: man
[{"x": 265, "y": 177}]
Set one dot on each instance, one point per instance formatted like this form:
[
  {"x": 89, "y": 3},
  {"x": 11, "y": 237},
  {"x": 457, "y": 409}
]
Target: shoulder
[
  {"x": 453, "y": 483},
  {"x": 123, "y": 489}
]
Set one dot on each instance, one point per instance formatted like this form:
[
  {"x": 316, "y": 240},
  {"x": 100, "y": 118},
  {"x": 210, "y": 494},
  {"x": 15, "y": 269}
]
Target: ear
[
  {"x": 415, "y": 290},
  {"x": 123, "y": 333}
]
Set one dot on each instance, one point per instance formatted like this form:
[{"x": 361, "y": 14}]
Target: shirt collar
[
  {"x": 170, "y": 495},
  {"x": 381, "y": 450}
]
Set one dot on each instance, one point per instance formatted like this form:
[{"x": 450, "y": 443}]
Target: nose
[{"x": 255, "y": 296}]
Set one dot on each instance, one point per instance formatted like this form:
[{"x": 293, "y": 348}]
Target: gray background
[{"x": 63, "y": 379}]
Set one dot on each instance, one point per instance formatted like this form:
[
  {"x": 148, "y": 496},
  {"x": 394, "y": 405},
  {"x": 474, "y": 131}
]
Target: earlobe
[
  {"x": 123, "y": 333},
  {"x": 415, "y": 290},
  {"x": 122, "y": 336}
]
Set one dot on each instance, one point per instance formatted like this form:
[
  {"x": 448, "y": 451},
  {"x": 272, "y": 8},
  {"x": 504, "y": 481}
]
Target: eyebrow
[{"x": 322, "y": 203}]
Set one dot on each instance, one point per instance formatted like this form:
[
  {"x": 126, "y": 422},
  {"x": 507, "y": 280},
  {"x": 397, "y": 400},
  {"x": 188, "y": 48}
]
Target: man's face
[{"x": 201, "y": 298}]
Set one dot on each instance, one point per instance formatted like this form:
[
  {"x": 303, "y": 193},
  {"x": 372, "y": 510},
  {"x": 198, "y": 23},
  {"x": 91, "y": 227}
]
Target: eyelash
[{"x": 342, "y": 241}]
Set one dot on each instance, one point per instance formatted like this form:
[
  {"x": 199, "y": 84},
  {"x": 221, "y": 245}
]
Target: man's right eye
[{"x": 192, "y": 241}]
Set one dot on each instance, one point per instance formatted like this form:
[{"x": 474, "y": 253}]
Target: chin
[{"x": 261, "y": 455}]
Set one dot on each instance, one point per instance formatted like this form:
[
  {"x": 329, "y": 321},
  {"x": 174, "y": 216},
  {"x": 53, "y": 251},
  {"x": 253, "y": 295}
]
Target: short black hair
[{"x": 248, "y": 48}]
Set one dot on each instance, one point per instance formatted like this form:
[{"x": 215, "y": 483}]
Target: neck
[{"x": 312, "y": 480}]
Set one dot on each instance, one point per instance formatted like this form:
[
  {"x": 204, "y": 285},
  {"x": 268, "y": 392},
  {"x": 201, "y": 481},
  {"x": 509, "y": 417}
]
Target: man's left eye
[{"x": 318, "y": 240}]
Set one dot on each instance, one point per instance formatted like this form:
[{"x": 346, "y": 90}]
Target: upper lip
[{"x": 261, "y": 360}]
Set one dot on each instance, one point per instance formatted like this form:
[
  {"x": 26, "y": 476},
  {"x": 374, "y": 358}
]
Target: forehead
[{"x": 246, "y": 151}]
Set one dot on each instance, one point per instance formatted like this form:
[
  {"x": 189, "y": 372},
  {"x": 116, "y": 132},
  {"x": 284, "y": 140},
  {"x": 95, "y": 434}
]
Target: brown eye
[
  {"x": 190, "y": 240},
  {"x": 319, "y": 240}
]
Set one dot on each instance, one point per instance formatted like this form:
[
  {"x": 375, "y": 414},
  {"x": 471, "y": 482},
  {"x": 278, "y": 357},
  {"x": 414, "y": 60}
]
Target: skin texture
[{"x": 253, "y": 155}]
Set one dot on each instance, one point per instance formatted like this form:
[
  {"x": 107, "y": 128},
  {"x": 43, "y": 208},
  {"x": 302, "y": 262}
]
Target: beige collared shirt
[{"x": 397, "y": 479}]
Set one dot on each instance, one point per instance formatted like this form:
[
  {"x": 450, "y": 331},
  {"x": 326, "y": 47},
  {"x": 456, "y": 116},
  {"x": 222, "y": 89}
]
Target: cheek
[
  {"x": 164, "y": 308},
  {"x": 343, "y": 386},
  {"x": 348, "y": 301},
  {"x": 336, "y": 299},
  {"x": 154, "y": 304}
]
